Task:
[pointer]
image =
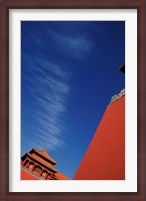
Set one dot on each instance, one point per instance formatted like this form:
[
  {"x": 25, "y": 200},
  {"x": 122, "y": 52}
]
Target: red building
[
  {"x": 105, "y": 156},
  {"x": 37, "y": 165}
]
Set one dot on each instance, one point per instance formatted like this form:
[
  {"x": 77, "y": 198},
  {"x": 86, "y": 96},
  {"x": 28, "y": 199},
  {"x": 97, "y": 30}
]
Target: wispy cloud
[
  {"x": 49, "y": 90},
  {"x": 77, "y": 46},
  {"x": 47, "y": 81}
]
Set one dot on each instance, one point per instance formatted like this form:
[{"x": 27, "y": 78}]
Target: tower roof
[
  {"x": 39, "y": 163},
  {"x": 44, "y": 154},
  {"x": 43, "y": 162}
]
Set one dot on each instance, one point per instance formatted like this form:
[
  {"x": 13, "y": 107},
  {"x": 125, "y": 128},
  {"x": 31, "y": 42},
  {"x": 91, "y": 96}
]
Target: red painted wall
[
  {"x": 105, "y": 157},
  {"x": 26, "y": 176}
]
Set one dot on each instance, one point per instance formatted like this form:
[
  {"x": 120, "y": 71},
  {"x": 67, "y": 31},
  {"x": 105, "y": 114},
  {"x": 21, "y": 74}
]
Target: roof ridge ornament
[{"x": 122, "y": 68}]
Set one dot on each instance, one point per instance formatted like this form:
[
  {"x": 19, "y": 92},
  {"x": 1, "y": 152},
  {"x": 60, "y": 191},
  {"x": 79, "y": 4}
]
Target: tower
[{"x": 37, "y": 164}]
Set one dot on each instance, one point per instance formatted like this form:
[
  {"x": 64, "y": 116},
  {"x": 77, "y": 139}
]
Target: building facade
[{"x": 37, "y": 164}]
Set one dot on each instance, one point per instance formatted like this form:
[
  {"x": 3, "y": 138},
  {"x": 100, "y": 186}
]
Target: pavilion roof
[
  {"x": 42, "y": 161},
  {"x": 45, "y": 155}
]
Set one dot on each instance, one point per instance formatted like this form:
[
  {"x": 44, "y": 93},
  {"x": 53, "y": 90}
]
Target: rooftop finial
[{"x": 122, "y": 68}]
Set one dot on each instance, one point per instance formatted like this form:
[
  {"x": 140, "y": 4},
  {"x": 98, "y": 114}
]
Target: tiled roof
[
  {"x": 45, "y": 155},
  {"x": 42, "y": 161}
]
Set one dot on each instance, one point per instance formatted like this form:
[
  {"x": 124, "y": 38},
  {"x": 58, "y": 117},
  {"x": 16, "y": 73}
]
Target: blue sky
[{"x": 69, "y": 72}]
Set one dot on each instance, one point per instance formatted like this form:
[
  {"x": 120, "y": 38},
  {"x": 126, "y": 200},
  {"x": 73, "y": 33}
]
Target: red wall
[
  {"x": 26, "y": 176},
  {"x": 105, "y": 157}
]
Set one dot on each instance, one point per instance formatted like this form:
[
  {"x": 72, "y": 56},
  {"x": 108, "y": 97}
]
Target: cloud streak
[
  {"x": 77, "y": 46},
  {"x": 47, "y": 81},
  {"x": 49, "y": 90}
]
